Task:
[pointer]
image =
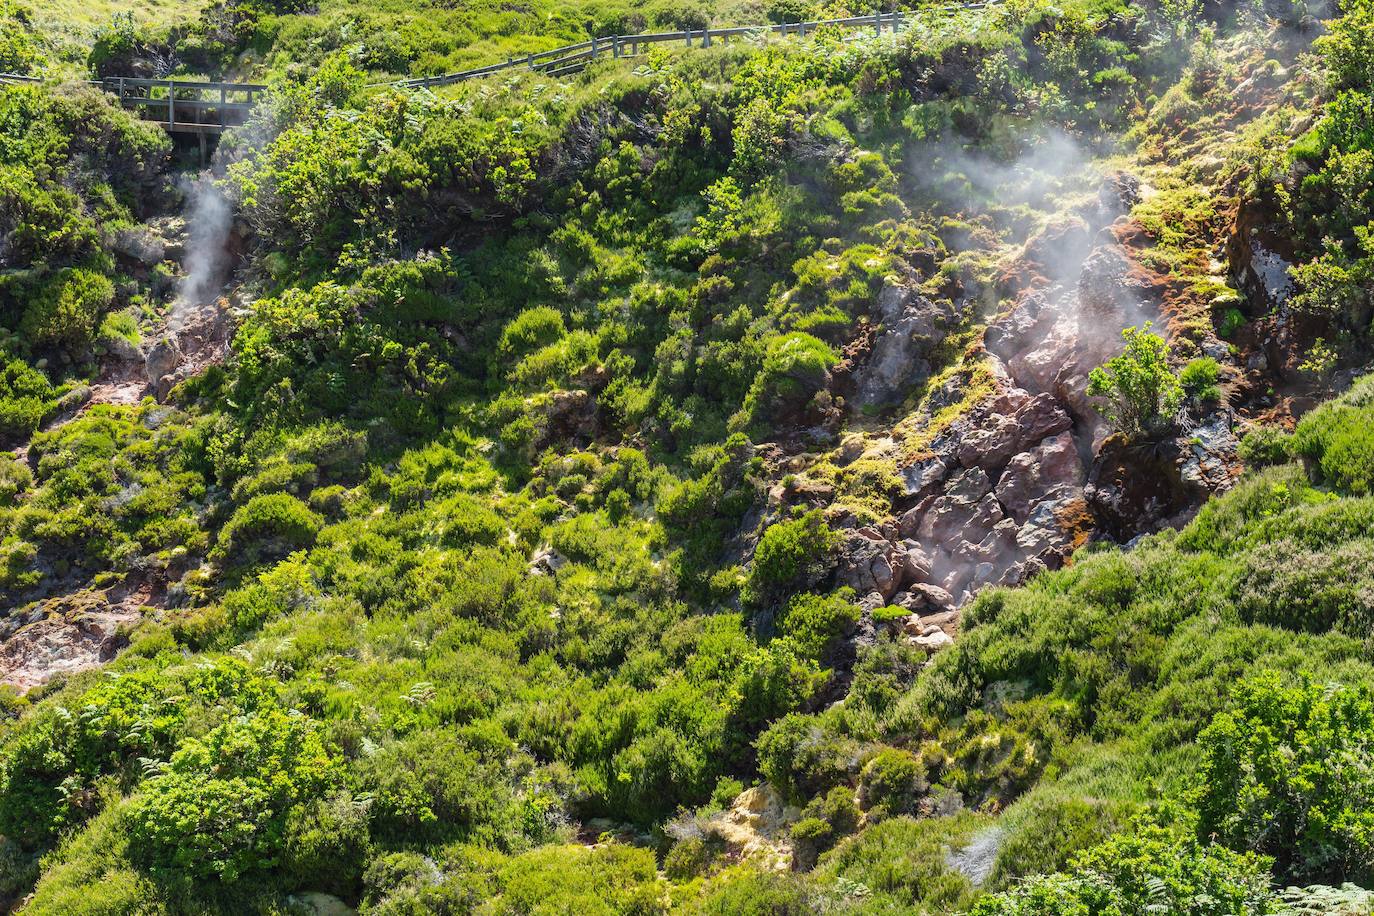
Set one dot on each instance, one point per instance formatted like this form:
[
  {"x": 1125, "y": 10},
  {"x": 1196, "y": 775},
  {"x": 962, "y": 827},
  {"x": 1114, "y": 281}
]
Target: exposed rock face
[
  {"x": 547, "y": 562},
  {"x": 1013, "y": 487},
  {"x": 1108, "y": 284},
  {"x": 65, "y": 636},
  {"x": 756, "y": 827},
  {"x": 871, "y": 563},
  {"x": 1000, "y": 498},
  {"x": 140, "y": 245},
  {"x": 1003, "y": 435},
  {"x": 1051, "y": 470},
  {"x": 911, "y": 326},
  {"x": 1118, "y": 194},
  {"x": 162, "y": 358},
  {"x": 1136, "y": 489},
  {"x": 1208, "y": 454},
  {"x": 1027, "y": 476},
  {"x": 1258, "y": 257}
]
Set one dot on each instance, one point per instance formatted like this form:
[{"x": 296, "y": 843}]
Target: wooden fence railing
[
  {"x": 188, "y": 106},
  {"x": 572, "y": 58},
  {"x": 182, "y": 106}
]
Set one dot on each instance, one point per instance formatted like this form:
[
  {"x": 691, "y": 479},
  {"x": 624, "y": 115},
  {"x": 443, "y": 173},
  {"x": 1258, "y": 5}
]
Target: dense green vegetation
[{"x": 475, "y": 593}]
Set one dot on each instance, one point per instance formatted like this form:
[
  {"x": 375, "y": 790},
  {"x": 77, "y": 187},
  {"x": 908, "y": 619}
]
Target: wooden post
[
  {"x": 593, "y": 47},
  {"x": 615, "y": 46},
  {"x": 706, "y": 38},
  {"x": 878, "y": 22},
  {"x": 223, "y": 98},
  {"x": 171, "y": 105}
]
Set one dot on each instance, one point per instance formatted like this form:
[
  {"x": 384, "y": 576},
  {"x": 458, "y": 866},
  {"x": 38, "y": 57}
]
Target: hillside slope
[{"x": 867, "y": 474}]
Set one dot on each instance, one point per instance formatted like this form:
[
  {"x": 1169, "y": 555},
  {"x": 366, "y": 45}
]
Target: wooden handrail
[
  {"x": 570, "y": 55},
  {"x": 137, "y": 92}
]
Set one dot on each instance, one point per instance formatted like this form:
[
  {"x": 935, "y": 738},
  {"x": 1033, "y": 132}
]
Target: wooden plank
[
  {"x": 192, "y": 84},
  {"x": 138, "y": 101},
  {"x": 191, "y": 127}
]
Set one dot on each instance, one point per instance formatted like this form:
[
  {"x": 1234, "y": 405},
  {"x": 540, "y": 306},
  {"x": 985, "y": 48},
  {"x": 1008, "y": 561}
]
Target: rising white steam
[{"x": 206, "y": 262}]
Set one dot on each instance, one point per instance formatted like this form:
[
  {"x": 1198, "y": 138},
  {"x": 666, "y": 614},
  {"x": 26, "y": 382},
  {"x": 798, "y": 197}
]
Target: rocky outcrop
[
  {"x": 910, "y": 327},
  {"x": 1260, "y": 256},
  {"x": 547, "y": 562},
  {"x": 1003, "y": 435},
  {"x": 160, "y": 364},
  {"x": 1029, "y": 475},
  {"x": 1140, "y": 488},
  {"x": 932, "y": 629},
  {"x": 871, "y": 563},
  {"x": 65, "y": 635},
  {"x": 756, "y": 827},
  {"x": 1050, "y": 471},
  {"x": 994, "y": 502}
]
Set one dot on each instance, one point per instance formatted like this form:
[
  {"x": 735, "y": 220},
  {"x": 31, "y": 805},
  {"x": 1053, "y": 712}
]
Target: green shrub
[
  {"x": 791, "y": 555},
  {"x": 677, "y": 14},
  {"x": 26, "y": 397},
  {"x": 689, "y": 858},
  {"x": 1137, "y": 389},
  {"x": 1338, "y": 437},
  {"x": 325, "y": 843},
  {"x": 69, "y": 310},
  {"x": 55, "y": 754},
  {"x": 816, "y": 624},
  {"x": 429, "y": 785},
  {"x": 223, "y": 809},
  {"x": 903, "y": 863},
  {"x": 1283, "y": 583},
  {"x": 15, "y": 478},
  {"x": 893, "y": 781},
  {"x": 825, "y": 821},
  {"x": 791, "y": 11},
  {"x": 746, "y": 892},
  {"x": 18, "y": 50},
  {"x": 1264, "y": 446},
  {"x": 270, "y": 525},
  {"x": 1281, "y": 776},
  {"x": 796, "y": 367},
  {"x": 612, "y": 878},
  {"x": 466, "y": 520},
  {"x": 1151, "y": 869},
  {"x": 1232, "y": 320},
  {"x": 1049, "y": 827},
  {"x": 1198, "y": 379},
  {"x": 802, "y": 759}
]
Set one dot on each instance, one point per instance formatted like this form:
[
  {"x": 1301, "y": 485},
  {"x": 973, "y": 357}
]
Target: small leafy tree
[
  {"x": 1286, "y": 772},
  {"x": 1151, "y": 869},
  {"x": 1138, "y": 388}
]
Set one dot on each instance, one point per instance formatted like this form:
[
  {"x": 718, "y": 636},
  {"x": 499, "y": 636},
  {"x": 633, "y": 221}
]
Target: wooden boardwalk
[
  {"x": 191, "y": 107},
  {"x": 185, "y": 106}
]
